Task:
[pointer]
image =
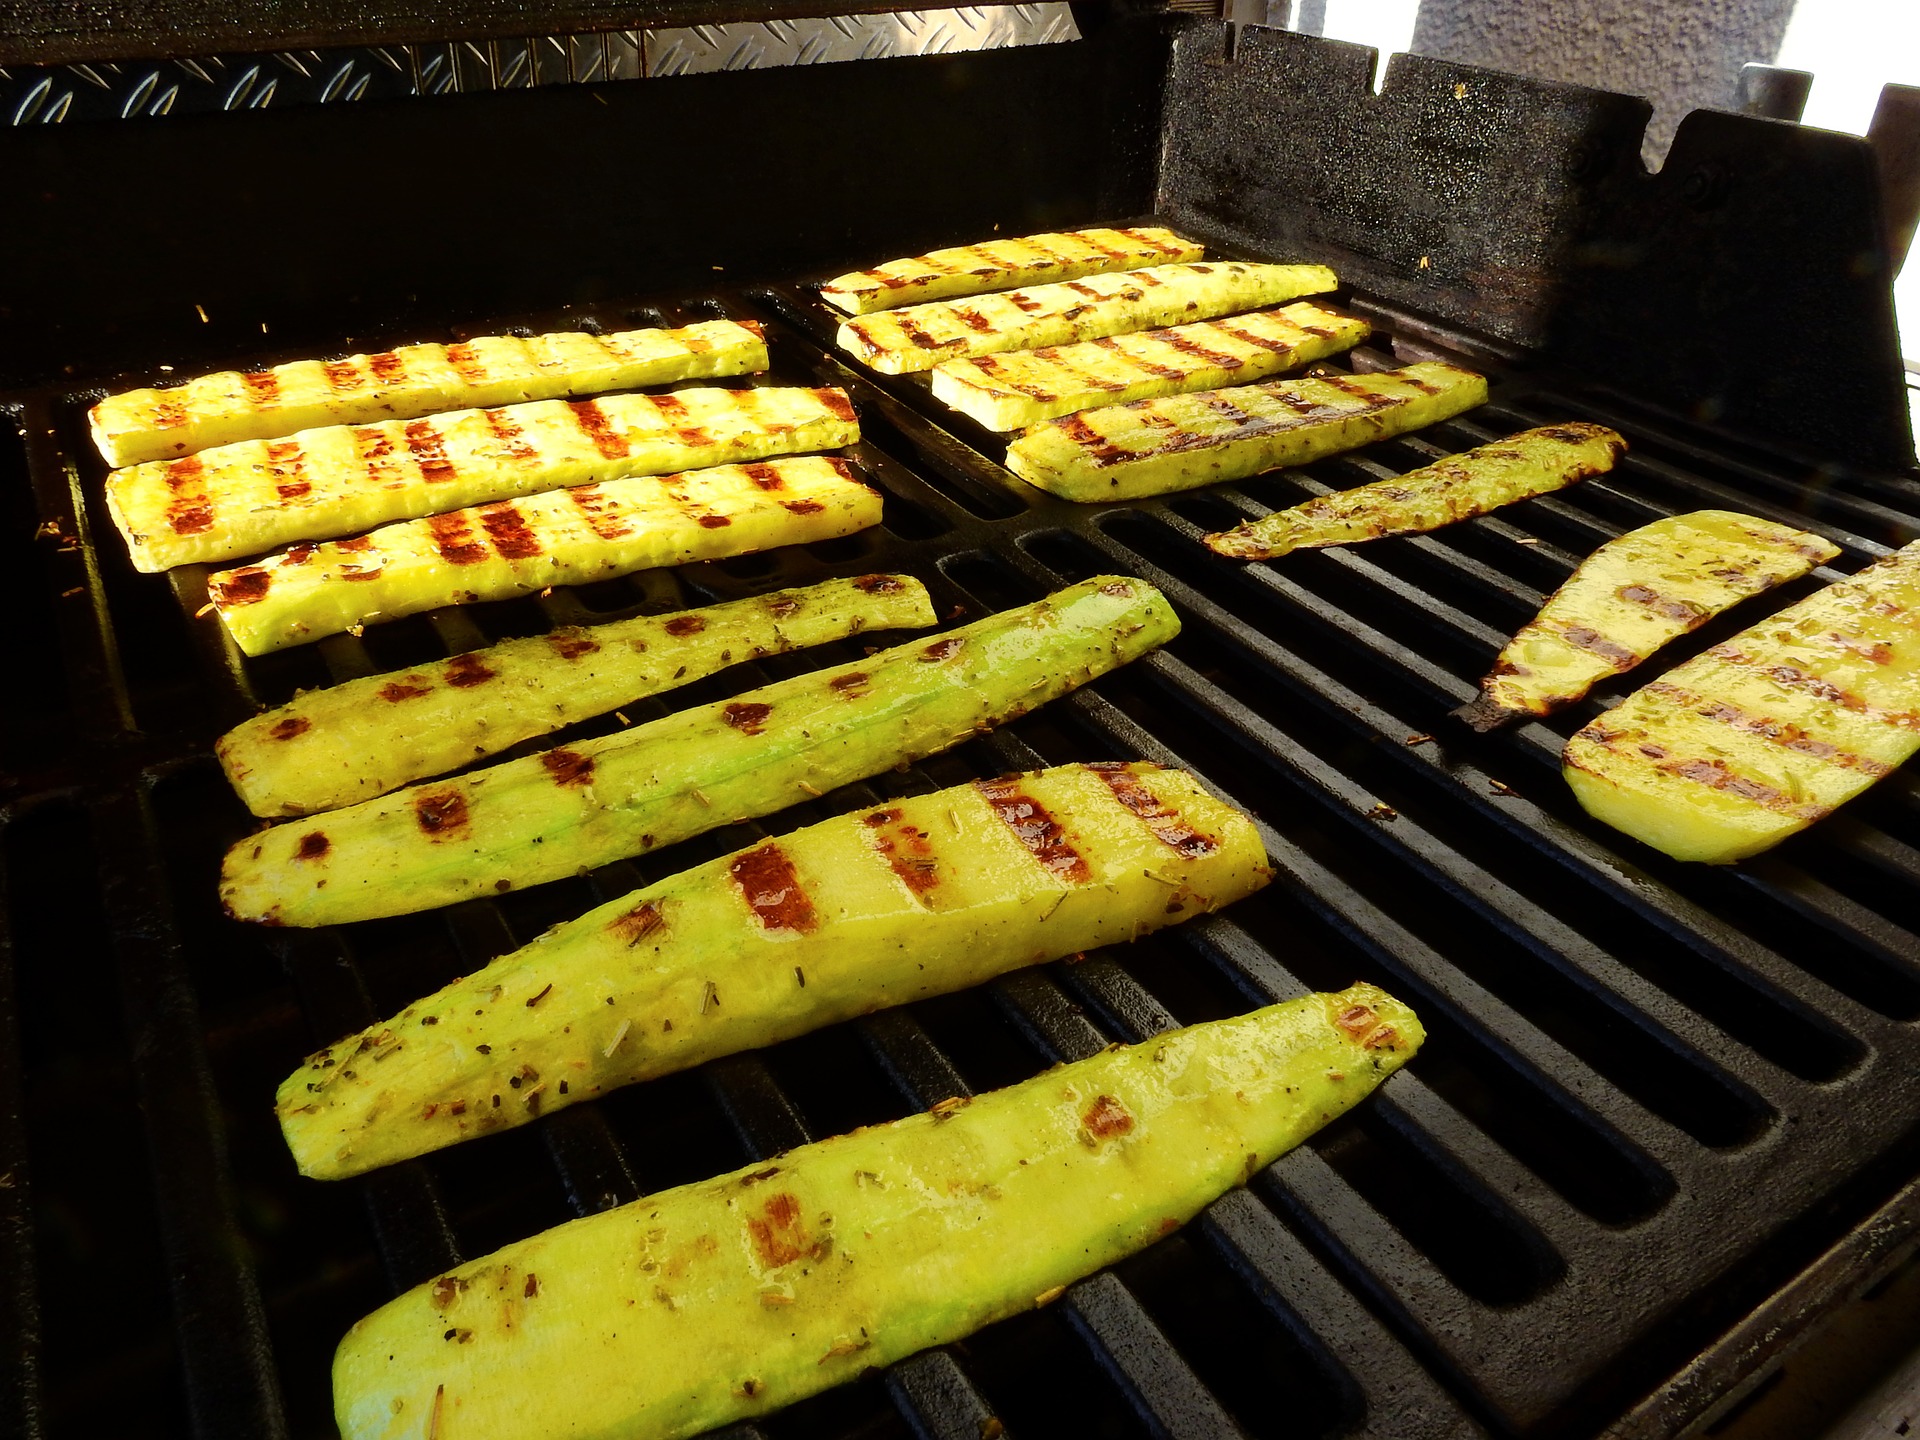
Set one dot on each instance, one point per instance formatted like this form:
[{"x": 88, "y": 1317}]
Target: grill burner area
[{"x": 1651, "y": 1091}]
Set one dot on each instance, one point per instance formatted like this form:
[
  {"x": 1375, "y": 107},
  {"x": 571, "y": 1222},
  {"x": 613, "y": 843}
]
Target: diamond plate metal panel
[{"x": 751, "y": 45}]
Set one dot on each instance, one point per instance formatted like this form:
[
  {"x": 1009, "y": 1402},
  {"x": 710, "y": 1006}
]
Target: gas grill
[{"x": 1653, "y": 1093}]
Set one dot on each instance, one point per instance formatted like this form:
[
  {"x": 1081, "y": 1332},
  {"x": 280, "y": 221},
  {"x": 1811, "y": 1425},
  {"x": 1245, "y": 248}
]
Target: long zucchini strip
[
  {"x": 731, "y": 1297},
  {"x": 996, "y": 264},
  {"x": 918, "y": 898},
  {"x": 350, "y": 742},
  {"x": 516, "y": 547},
  {"x": 412, "y": 380},
  {"x": 553, "y": 815},
  {"x": 1024, "y": 387},
  {"x": 1633, "y": 595},
  {"x": 1153, "y": 447},
  {"x": 919, "y": 337},
  {"x": 245, "y": 498},
  {"x": 1534, "y": 462},
  {"x": 1755, "y": 739}
]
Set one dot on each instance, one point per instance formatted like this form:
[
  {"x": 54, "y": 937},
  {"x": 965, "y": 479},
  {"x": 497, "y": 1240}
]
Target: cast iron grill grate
[{"x": 1642, "y": 1080}]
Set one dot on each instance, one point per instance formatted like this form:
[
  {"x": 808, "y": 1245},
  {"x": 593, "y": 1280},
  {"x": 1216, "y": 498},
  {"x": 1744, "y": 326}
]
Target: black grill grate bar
[
  {"x": 917, "y": 1067},
  {"x": 1162, "y": 1387},
  {"x": 937, "y": 1399},
  {"x": 1819, "y": 901},
  {"x": 20, "y": 1310}
]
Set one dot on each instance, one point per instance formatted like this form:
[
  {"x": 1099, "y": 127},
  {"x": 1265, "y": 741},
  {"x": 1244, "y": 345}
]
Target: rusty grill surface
[{"x": 1651, "y": 1091}]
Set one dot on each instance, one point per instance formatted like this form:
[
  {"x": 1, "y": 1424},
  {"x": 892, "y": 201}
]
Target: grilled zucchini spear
[
  {"x": 515, "y": 547},
  {"x": 996, "y": 264},
  {"x": 412, "y": 380},
  {"x": 1755, "y": 739},
  {"x": 919, "y": 337},
  {"x": 350, "y": 742},
  {"x": 1004, "y": 392},
  {"x": 1633, "y": 595},
  {"x": 553, "y": 815},
  {"x": 242, "y": 499},
  {"x": 1534, "y": 462},
  {"x": 1151, "y": 447},
  {"x": 731, "y": 1297},
  {"x": 921, "y": 897}
]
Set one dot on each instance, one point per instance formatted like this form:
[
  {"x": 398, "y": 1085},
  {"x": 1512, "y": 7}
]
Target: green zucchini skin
[
  {"x": 552, "y": 815},
  {"x": 350, "y": 742},
  {"x": 731, "y": 1297},
  {"x": 920, "y": 897}
]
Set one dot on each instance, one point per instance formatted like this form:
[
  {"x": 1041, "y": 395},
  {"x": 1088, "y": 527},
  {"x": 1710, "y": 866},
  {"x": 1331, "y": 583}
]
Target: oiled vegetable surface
[
  {"x": 1633, "y": 595},
  {"x": 735, "y": 1296},
  {"x": 1757, "y": 738},
  {"x": 1002, "y": 261},
  {"x": 916, "y": 898}
]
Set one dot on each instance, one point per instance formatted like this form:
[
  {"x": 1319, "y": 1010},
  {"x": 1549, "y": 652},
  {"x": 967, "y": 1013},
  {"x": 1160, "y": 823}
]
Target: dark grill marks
[
  {"x": 509, "y": 531},
  {"x": 972, "y": 319},
  {"x": 453, "y": 537},
  {"x": 749, "y": 717},
  {"x": 772, "y": 890},
  {"x": 571, "y": 644},
  {"x": 942, "y": 649},
  {"x": 441, "y": 815},
  {"x": 464, "y": 671},
  {"x": 796, "y": 507},
  {"x": 907, "y": 850},
  {"x": 1584, "y": 637},
  {"x": 343, "y": 375},
  {"x": 638, "y": 923},
  {"x": 1102, "y": 450},
  {"x": 242, "y": 587},
  {"x": 685, "y": 625},
  {"x": 1261, "y": 342},
  {"x": 568, "y": 767},
  {"x": 1686, "y": 613},
  {"x": 602, "y": 515},
  {"x": 1717, "y": 776},
  {"x": 289, "y": 467},
  {"x": 313, "y": 846},
  {"x": 877, "y": 584},
  {"x": 375, "y": 448},
  {"x": 466, "y": 364},
  {"x": 593, "y": 422},
  {"x": 915, "y": 332},
  {"x": 1106, "y": 1118},
  {"x": 169, "y": 415},
  {"x": 189, "y": 512},
  {"x": 1044, "y": 838},
  {"x": 1153, "y": 368},
  {"x": 851, "y": 686},
  {"x": 718, "y": 522},
  {"x": 1188, "y": 346},
  {"x": 1149, "y": 242},
  {"x": 1791, "y": 736},
  {"x": 388, "y": 368},
  {"x": 513, "y": 445},
  {"x": 766, "y": 476},
  {"x": 290, "y": 727},
  {"x": 837, "y": 402},
  {"x": 408, "y": 687},
  {"x": 428, "y": 450},
  {"x": 263, "y": 388},
  {"x": 1162, "y": 819}
]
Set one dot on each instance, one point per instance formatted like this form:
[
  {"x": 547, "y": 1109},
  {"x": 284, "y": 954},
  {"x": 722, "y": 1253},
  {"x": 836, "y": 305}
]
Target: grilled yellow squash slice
[
  {"x": 1152, "y": 447},
  {"x": 731, "y": 1297},
  {"x": 997, "y": 264},
  {"x": 919, "y": 337},
  {"x": 921, "y": 897},
  {"x": 1024, "y": 387},
  {"x": 546, "y": 816},
  {"x": 350, "y": 742},
  {"x": 559, "y": 537},
  {"x": 409, "y": 381},
  {"x": 1755, "y": 739},
  {"x": 246, "y": 498},
  {"x": 1633, "y": 595},
  {"x": 1534, "y": 462}
]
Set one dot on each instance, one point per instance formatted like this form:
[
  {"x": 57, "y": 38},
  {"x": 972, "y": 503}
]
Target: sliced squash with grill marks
[
  {"x": 242, "y": 499},
  {"x": 1459, "y": 487},
  {"x": 919, "y": 337},
  {"x": 999, "y": 263},
  {"x": 412, "y": 380},
  {"x": 1757, "y": 738},
  {"x": 1153, "y": 447},
  {"x": 353, "y": 741},
  {"x": 515, "y": 547},
  {"x": 547, "y": 816},
  {"x": 1024, "y": 387},
  {"x": 1633, "y": 595},
  {"x": 918, "y": 898},
  {"x": 724, "y": 1299}
]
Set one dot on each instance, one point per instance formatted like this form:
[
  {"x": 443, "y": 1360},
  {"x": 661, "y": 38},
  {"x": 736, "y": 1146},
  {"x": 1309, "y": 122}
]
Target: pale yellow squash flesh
[
  {"x": 1154, "y": 447},
  {"x": 920, "y": 897},
  {"x": 998, "y": 263},
  {"x": 1757, "y": 738},
  {"x": 1024, "y": 387},
  {"x": 1633, "y": 595},
  {"x": 517, "y": 547},
  {"x": 359, "y": 739},
  {"x": 732, "y": 1297},
  {"x": 919, "y": 337},
  {"x": 247, "y": 498},
  {"x": 412, "y": 380}
]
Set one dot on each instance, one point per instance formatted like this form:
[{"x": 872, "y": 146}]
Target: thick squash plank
[
  {"x": 1534, "y": 462},
  {"x": 548, "y": 816},
  {"x": 247, "y": 498},
  {"x": 919, "y": 337},
  {"x": 997, "y": 264},
  {"x": 516, "y": 547},
  {"x": 1755, "y": 739},
  {"x": 412, "y": 380},
  {"x": 1633, "y": 595},
  {"x": 1153, "y": 447},
  {"x": 732, "y": 1297},
  {"x": 921, "y": 897},
  {"x": 353, "y": 741},
  {"x": 1024, "y": 387}
]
